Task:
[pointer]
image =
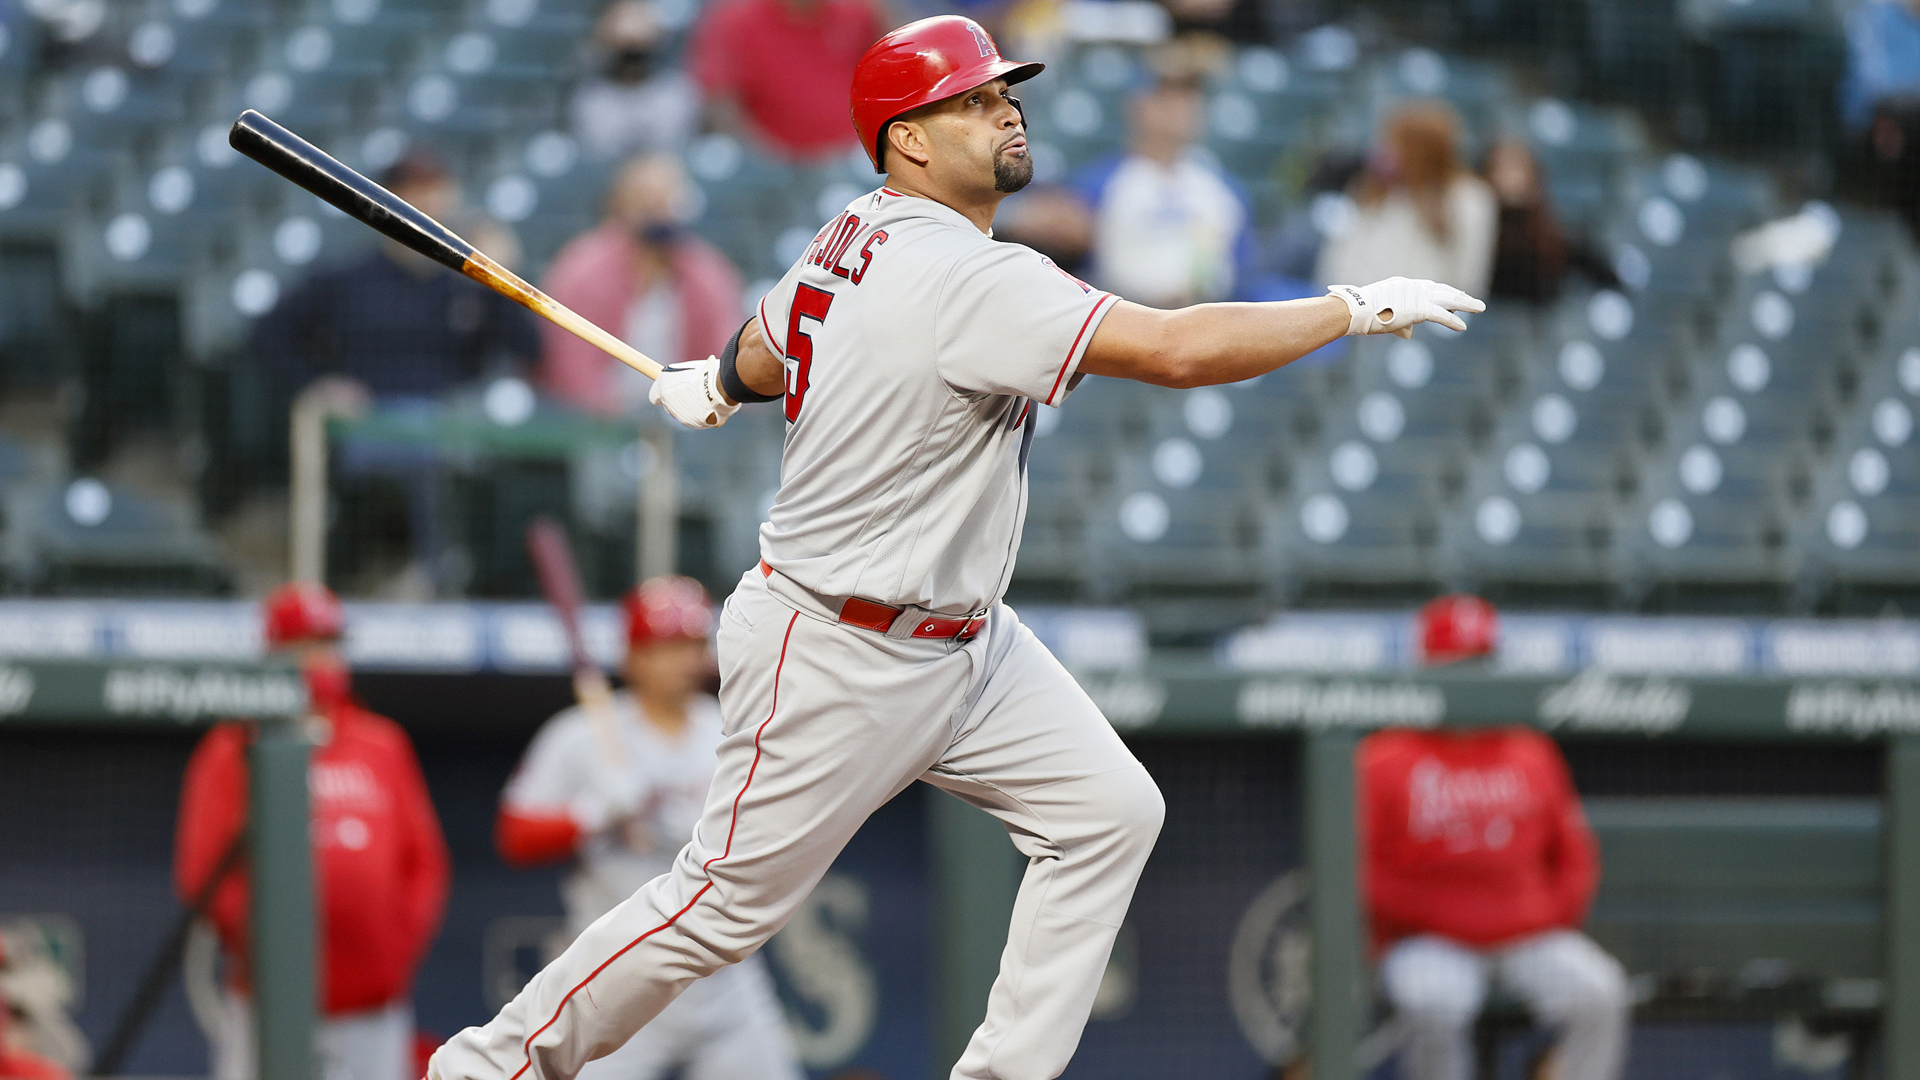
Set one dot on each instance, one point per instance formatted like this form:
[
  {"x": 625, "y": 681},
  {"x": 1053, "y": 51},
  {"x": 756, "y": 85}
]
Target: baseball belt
[{"x": 879, "y": 618}]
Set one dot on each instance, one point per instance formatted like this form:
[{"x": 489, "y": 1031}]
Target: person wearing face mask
[
  {"x": 641, "y": 273},
  {"x": 380, "y": 861},
  {"x": 637, "y": 102}
]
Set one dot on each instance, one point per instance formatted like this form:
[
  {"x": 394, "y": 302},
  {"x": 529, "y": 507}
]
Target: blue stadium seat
[{"x": 1862, "y": 523}]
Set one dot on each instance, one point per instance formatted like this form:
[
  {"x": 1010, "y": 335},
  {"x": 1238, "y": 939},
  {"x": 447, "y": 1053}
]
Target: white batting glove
[
  {"x": 1392, "y": 306},
  {"x": 691, "y": 394}
]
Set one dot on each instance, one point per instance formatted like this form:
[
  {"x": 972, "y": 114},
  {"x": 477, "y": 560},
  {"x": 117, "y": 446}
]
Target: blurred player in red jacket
[
  {"x": 623, "y": 821},
  {"x": 379, "y": 858},
  {"x": 1479, "y": 867}
]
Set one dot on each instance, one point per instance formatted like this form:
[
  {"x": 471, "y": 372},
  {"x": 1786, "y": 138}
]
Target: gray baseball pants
[
  {"x": 1438, "y": 986},
  {"x": 824, "y": 724}
]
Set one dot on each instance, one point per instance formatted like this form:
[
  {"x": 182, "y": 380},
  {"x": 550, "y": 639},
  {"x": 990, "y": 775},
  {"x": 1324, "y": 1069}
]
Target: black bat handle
[{"x": 315, "y": 170}]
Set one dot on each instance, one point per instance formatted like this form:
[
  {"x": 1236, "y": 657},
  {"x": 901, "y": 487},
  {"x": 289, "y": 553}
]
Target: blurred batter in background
[
  {"x": 380, "y": 862},
  {"x": 624, "y": 821}
]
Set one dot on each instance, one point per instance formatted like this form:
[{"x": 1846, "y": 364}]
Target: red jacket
[
  {"x": 380, "y": 860},
  {"x": 788, "y": 66},
  {"x": 1476, "y": 836}
]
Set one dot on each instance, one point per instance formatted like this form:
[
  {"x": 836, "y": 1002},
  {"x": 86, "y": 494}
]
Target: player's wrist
[
  {"x": 1362, "y": 311},
  {"x": 731, "y": 384}
]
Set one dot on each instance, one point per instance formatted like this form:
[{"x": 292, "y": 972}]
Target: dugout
[
  {"x": 1741, "y": 820},
  {"x": 1766, "y": 871},
  {"x": 100, "y": 703}
]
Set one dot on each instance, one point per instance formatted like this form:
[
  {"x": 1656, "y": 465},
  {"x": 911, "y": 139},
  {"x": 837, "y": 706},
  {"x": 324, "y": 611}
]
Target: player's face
[
  {"x": 673, "y": 668},
  {"x": 980, "y": 136}
]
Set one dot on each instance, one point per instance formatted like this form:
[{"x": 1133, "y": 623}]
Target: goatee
[{"x": 1010, "y": 174}]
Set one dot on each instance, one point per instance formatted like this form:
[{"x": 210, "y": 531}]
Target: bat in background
[
  {"x": 553, "y": 563},
  {"x": 393, "y": 217}
]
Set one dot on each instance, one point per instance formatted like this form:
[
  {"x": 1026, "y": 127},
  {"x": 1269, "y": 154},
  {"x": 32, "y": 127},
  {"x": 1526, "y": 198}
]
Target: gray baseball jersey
[{"x": 915, "y": 348}]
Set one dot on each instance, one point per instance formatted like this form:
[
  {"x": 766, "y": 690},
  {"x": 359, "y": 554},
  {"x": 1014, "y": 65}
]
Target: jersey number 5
[{"x": 809, "y": 303}]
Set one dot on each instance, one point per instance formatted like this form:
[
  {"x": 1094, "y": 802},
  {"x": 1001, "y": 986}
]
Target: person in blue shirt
[
  {"x": 395, "y": 330},
  {"x": 1169, "y": 228},
  {"x": 393, "y": 321},
  {"x": 1880, "y": 98}
]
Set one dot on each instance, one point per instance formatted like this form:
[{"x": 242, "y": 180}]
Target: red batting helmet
[
  {"x": 667, "y": 608},
  {"x": 1457, "y": 627},
  {"x": 921, "y": 63},
  {"x": 302, "y": 611}
]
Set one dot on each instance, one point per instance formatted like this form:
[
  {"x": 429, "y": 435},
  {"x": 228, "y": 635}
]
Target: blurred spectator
[
  {"x": 1168, "y": 227},
  {"x": 1533, "y": 253},
  {"x": 380, "y": 862},
  {"x": 1880, "y": 98},
  {"x": 1419, "y": 213},
  {"x": 1051, "y": 220},
  {"x": 1479, "y": 866},
  {"x": 669, "y": 293},
  {"x": 1240, "y": 21},
  {"x": 395, "y": 322},
  {"x": 780, "y": 69},
  {"x": 398, "y": 329},
  {"x": 637, "y": 102}
]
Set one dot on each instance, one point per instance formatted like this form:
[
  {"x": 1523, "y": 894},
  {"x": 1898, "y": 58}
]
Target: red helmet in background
[
  {"x": 302, "y": 611},
  {"x": 920, "y": 63},
  {"x": 667, "y": 608},
  {"x": 1457, "y": 627}
]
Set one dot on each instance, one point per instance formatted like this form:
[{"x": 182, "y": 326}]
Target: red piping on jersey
[
  {"x": 765, "y": 333},
  {"x": 751, "y": 770},
  {"x": 890, "y": 191},
  {"x": 1075, "y": 347}
]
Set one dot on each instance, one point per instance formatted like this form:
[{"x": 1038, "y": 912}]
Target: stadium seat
[
  {"x": 19, "y": 39},
  {"x": 1862, "y": 523},
  {"x": 1152, "y": 538},
  {"x": 85, "y": 538}
]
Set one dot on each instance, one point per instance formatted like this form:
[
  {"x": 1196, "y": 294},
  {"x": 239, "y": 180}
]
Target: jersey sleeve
[
  {"x": 555, "y": 768},
  {"x": 1011, "y": 322}
]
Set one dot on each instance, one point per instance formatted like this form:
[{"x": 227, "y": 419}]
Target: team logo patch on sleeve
[{"x": 1084, "y": 287}]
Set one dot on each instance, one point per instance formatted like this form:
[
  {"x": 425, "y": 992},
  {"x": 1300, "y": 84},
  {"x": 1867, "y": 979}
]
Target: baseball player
[
  {"x": 380, "y": 863},
  {"x": 869, "y": 647},
  {"x": 624, "y": 821}
]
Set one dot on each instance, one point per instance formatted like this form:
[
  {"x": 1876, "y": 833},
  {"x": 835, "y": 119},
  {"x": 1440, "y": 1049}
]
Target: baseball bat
[
  {"x": 394, "y": 218},
  {"x": 553, "y": 563}
]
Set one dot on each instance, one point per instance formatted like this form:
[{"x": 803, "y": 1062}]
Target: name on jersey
[{"x": 831, "y": 244}]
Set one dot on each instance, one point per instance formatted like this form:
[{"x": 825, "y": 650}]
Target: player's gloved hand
[
  {"x": 691, "y": 394},
  {"x": 1392, "y": 306}
]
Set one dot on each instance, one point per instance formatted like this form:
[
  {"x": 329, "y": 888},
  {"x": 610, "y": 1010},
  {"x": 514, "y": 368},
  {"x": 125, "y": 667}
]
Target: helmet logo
[{"x": 981, "y": 39}]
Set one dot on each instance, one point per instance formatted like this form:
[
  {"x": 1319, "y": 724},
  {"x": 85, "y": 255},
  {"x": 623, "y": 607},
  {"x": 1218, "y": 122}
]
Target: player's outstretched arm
[{"x": 1210, "y": 344}]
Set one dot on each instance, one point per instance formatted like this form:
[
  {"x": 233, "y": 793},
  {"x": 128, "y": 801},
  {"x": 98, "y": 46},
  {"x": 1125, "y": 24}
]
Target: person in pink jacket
[{"x": 641, "y": 274}]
